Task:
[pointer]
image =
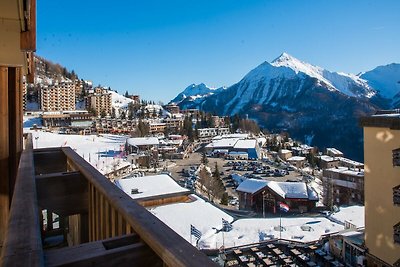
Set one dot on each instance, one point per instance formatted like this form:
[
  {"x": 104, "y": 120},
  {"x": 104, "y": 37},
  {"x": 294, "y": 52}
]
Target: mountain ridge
[{"x": 289, "y": 94}]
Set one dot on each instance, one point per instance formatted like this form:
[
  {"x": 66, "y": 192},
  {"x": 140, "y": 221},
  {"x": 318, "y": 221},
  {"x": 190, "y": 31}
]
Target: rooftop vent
[{"x": 134, "y": 191}]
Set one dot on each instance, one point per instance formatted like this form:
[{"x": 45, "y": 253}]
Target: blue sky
[{"x": 157, "y": 48}]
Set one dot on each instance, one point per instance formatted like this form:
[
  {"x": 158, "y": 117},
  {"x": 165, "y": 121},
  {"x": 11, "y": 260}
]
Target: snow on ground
[
  {"x": 199, "y": 213},
  {"x": 119, "y": 101},
  {"x": 208, "y": 219},
  {"x": 102, "y": 152},
  {"x": 352, "y": 214},
  {"x": 249, "y": 231}
]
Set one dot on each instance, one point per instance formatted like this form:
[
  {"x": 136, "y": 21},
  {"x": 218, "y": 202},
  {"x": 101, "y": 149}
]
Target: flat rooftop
[
  {"x": 150, "y": 186},
  {"x": 384, "y": 119}
]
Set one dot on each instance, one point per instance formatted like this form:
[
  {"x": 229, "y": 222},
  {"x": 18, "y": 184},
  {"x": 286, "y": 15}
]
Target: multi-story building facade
[
  {"x": 58, "y": 96},
  {"x": 100, "y": 101},
  {"x": 157, "y": 127},
  {"x": 212, "y": 132},
  {"x": 136, "y": 99},
  {"x": 343, "y": 186},
  {"x": 174, "y": 124},
  {"x": 173, "y": 109},
  {"x": 382, "y": 185}
]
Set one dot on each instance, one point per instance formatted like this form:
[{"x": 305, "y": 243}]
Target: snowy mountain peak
[
  {"x": 196, "y": 91},
  {"x": 284, "y": 57},
  {"x": 286, "y": 60},
  {"x": 386, "y": 79}
]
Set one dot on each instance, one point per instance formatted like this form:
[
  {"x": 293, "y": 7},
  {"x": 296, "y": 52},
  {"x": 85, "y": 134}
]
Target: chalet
[
  {"x": 285, "y": 154},
  {"x": 265, "y": 196},
  {"x": 297, "y": 161},
  {"x": 141, "y": 144}
]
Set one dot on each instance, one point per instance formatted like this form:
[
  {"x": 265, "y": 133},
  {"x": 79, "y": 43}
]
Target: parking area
[{"x": 232, "y": 172}]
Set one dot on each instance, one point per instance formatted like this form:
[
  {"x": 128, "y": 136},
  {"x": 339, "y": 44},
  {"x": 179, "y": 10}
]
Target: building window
[
  {"x": 396, "y": 157},
  {"x": 396, "y": 233},
  {"x": 396, "y": 195}
]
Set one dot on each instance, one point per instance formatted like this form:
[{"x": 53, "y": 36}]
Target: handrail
[
  {"x": 23, "y": 245},
  {"x": 167, "y": 244}
]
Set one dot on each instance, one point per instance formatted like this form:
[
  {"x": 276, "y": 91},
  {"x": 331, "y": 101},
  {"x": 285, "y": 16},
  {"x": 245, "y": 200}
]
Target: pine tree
[
  {"x": 224, "y": 199},
  {"x": 204, "y": 159}
]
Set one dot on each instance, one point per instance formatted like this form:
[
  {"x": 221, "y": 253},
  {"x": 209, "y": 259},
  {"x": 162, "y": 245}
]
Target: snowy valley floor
[{"x": 101, "y": 152}]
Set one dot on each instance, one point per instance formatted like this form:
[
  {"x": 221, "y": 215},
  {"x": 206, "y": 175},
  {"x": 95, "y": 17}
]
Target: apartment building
[
  {"x": 212, "y": 132},
  {"x": 343, "y": 186},
  {"x": 382, "y": 188},
  {"x": 100, "y": 101},
  {"x": 172, "y": 108},
  {"x": 174, "y": 124},
  {"x": 157, "y": 127},
  {"x": 58, "y": 96}
]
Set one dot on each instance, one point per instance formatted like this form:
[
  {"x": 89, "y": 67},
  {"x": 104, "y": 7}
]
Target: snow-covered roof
[
  {"x": 236, "y": 135},
  {"x": 102, "y": 151},
  {"x": 353, "y": 214},
  {"x": 245, "y": 144},
  {"x": 255, "y": 230},
  {"x": 296, "y": 158},
  {"x": 346, "y": 170},
  {"x": 149, "y": 186},
  {"x": 328, "y": 158},
  {"x": 284, "y": 151},
  {"x": 199, "y": 213},
  {"x": 283, "y": 189},
  {"x": 251, "y": 186},
  {"x": 229, "y": 142},
  {"x": 238, "y": 178},
  {"x": 334, "y": 151},
  {"x": 349, "y": 161},
  {"x": 293, "y": 190},
  {"x": 143, "y": 141}
]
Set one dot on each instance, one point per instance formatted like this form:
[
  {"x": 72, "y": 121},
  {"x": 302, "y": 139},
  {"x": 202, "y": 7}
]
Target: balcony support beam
[{"x": 119, "y": 251}]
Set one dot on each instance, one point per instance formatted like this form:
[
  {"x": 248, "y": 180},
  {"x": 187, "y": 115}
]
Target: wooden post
[
  {"x": 15, "y": 123},
  {"x": 4, "y": 153}
]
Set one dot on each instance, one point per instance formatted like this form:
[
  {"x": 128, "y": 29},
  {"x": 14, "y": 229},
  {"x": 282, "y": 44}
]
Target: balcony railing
[
  {"x": 100, "y": 224},
  {"x": 396, "y": 195}
]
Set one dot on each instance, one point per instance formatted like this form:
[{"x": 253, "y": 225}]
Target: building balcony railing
[
  {"x": 99, "y": 224},
  {"x": 396, "y": 233},
  {"x": 396, "y": 195}
]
